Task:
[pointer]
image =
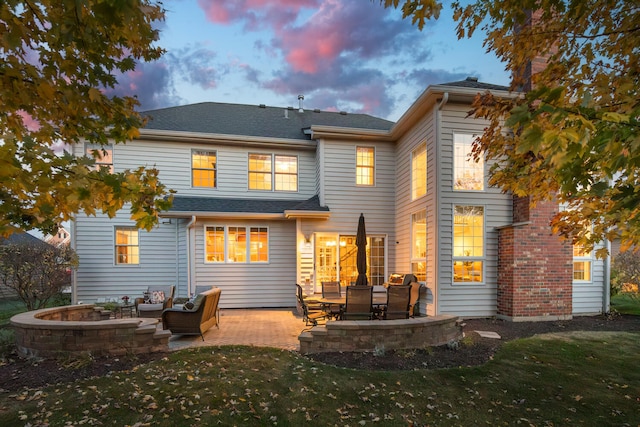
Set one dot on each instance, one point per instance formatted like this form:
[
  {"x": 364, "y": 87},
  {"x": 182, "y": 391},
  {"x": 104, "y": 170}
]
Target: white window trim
[
  {"x": 215, "y": 187},
  {"x": 585, "y": 258},
  {"x": 375, "y": 153},
  {"x": 417, "y": 149},
  {"x": 110, "y": 146},
  {"x": 482, "y": 259},
  {"x": 115, "y": 246},
  {"x": 273, "y": 172},
  {"x": 484, "y": 166}
]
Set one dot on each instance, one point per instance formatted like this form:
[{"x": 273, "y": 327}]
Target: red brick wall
[{"x": 535, "y": 268}]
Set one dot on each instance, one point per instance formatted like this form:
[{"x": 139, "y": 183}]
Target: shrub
[{"x": 625, "y": 273}]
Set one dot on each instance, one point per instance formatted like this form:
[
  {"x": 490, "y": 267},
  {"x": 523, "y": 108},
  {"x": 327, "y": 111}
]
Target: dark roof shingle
[{"x": 228, "y": 205}]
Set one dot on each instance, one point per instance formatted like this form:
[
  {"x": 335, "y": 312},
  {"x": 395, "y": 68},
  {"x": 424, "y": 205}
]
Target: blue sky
[{"x": 351, "y": 55}]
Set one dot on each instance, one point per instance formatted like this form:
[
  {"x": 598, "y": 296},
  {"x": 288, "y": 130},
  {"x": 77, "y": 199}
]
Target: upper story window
[
  {"x": 581, "y": 264},
  {"x": 204, "y": 168},
  {"x": 468, "y": 244},
  {"x": 236, "y": 244},
  {"x": 419, "y": 171},
  {"x": 365, "y": 165},
  {"x": 468, "y": 174},
  {"x": 127, "y": 246},
  {"x": 277, "y": 172},
  {"x": 103, "y": 155}
]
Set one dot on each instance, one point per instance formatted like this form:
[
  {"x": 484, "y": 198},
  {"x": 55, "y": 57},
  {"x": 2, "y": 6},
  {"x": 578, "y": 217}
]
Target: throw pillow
[{"x": 157, "y": 297}]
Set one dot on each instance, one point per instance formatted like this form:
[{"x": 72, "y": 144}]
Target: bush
[
  {"x": 7, "y": 343},
  {"x": 625, "y": 273}
]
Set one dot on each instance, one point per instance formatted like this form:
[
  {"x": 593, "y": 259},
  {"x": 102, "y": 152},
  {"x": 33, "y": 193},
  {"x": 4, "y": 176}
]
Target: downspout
[
  {"x": 606, "y": 300},
  {"x": 436, "y": 295},
  {"x": 189, "y": 227}
]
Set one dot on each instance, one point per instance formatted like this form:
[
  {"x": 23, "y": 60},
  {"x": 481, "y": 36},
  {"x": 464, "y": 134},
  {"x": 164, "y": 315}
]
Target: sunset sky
[{"x": 351, "y": 55}]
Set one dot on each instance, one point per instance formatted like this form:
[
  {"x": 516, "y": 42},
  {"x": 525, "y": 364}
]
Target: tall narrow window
[
  {"x": 259, "y": 244},
  {"x": 419, "y": 171},
  {"x": 468, "y": 174},
  {"x": 203, "y": 168},
  {"x": 286, "y": 173},
  {"x": 127, "y": 248},
  {"x": 103, "y": 155},
  {"x": 468, "y": 243},
  {"x": 581, "y": 264},
  {"x": 377, "y": 274},
  {"x": 215, "y": 244},
  {"x": 365, "y": 165},
  {"x": 419, "y": 244}
]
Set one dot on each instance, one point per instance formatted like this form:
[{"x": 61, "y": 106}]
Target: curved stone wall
[{"x": 83, "y": 330}]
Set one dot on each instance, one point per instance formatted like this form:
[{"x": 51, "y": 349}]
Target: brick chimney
[{"x": 535, "y": 267}]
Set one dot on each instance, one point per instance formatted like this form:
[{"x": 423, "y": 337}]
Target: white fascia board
[
  {"x": 307, "y": 214},
  {"x": 339, "y": 132},
  {"x": 223, "y": 139}
]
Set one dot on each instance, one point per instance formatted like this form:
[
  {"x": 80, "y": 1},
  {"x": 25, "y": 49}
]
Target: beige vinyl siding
[
  {"x": 468, "y": 300},
  {"x": 346, "y": 200},
  {"x": 252, "y": 285},
  {"x": 424, "y": 131},
  {"x": 97, "y": 275},
  {"x": 173, "y": 160},
  {"x": 588, "y": 297}
]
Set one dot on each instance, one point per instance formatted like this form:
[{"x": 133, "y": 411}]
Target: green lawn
[
  {"x": 589, "y": 379},
  {"x": 626, "y": 303}
]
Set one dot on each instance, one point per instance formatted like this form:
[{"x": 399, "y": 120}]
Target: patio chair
[
  {"x": 332, "y": 290},
  {"x": 160, "y": 297},
  {"x": 359, "y": 303},
  {"x": 198, "y": 320},
  {"x": 311, "y": 313},
  {"x": 398, "y": 299}
]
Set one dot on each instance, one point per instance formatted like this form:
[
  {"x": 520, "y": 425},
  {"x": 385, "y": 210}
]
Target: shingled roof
[
  {"x": 254, "y": 120},
  {"x": 473, "y": 83},
  {"x": 193, "y": 204}
]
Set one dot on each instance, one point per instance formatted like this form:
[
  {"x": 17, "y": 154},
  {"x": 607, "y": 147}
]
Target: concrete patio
[{"x": 273, "y": 327}]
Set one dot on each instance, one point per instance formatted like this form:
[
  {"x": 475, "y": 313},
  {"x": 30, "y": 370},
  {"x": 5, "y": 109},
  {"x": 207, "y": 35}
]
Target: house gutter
[
  {"x": 189, "y": 227},
  {"x": 441, "y": 104},
  {"x": 606, "y": 300}
]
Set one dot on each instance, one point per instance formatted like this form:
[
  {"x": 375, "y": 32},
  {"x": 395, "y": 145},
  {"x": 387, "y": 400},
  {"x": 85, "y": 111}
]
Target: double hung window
[
  {"x": 419, "y": 171},
  {"x": 365, "y": 166},
  {"x": 468, "y": 244},
  {"x": 102, "y": 154},
  {"x": 581, "y": 264},
  {"x": 468, "y": 174},
  {"x": 127, "y": 246},
  {"x": 204, "y": 168}
]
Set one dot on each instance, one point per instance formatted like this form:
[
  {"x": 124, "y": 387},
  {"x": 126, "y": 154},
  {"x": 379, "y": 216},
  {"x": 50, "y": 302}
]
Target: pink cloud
[
  {"x": 255, "y": 13},
  {"x": 29, "y": 122}
]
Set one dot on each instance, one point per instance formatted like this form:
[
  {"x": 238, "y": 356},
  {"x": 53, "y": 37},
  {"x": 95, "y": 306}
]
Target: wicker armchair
[
  {"x": 145, "y": 309},
  {"x": 197, "y": 321}
]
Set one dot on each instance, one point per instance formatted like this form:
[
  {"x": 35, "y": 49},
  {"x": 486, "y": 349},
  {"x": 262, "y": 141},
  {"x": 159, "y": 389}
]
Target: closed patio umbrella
[{"x": 361, "y": 260}]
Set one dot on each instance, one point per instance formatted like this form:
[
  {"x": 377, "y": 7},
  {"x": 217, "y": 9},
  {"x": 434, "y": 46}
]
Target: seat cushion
[{"x": 150, "y": 307}]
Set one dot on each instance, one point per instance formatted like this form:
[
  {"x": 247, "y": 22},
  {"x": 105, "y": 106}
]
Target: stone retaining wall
[
  {"x": 371, "y": 335},
  {"x": 81, "y": 330}
]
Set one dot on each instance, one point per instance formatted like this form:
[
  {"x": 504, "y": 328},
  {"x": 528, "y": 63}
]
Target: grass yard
[{"x": 573, "y": 378}]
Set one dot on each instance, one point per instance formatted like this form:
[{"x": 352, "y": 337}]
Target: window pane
[
  {"x": 102, "y": 155},
  {"x": 365, "y": 165},
  {"x": 468, "y": 243},
  {"x": 237, "y": 244},
  {"x": 468, "y": 174},
  {"x": 419, "y": 234},
  {"x": 286, "y": 173},
  {"x": 126, "y": 246},
  {"x": 375, "y": 265},
  {"x": 214, "y": 247},
  {"x": 260, "y": 171},
  {"x": 203, "y": 167},
  {"x": 259, "y": 251},
  {"x": 419, "y": 172},
  {"x": 582, "y": 270}
]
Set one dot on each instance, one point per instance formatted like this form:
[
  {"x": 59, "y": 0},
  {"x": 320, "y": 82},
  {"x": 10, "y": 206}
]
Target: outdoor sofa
[{"x": 195, "y": 321}]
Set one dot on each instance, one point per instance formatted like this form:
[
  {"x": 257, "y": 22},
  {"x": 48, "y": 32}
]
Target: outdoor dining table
[{"x": 379, "y": 298}]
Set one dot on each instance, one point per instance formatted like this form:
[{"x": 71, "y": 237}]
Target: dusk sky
[{"x": 342, "y": 55}]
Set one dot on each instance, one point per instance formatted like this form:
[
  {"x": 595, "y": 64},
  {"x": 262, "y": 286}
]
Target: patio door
[{"x": 336, "y": 257}]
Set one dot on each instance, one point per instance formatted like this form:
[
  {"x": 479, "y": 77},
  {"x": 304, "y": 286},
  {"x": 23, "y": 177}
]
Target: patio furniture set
[
  {"x": 398, "y": 301},
  {"x": 194, "y": 317}
]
